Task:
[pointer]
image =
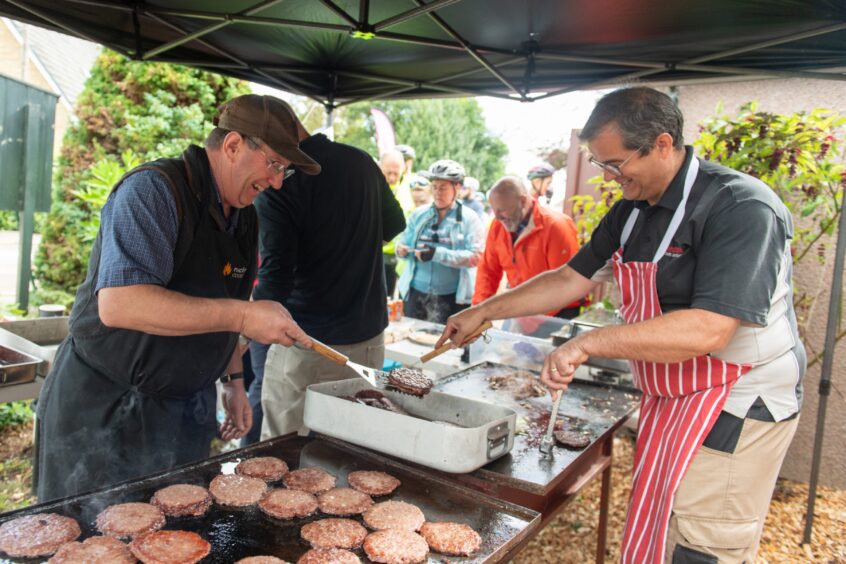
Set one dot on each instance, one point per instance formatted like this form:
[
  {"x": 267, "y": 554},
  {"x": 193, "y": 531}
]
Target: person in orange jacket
[{"x": 524, "y": 240}]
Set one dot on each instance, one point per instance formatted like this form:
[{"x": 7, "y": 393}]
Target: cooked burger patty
[
  {"x": 571, "y": 439},
  {"x": 343, "y": 501},
  {"x": 373, "y": 482},
  {"x": 311, "y": 480},
  {"x": 396, "y": 546},
  {"x": 182, "y": 499},
  {"x": 334, "y": 533},
  {"x": 455, "y": 539},
  {"x": 410, "y": 381},
  {"x": 394, "y": 515},
  {"x": 261, "y": 560},
  {"x": 129, "y": 520},
  {"x": 236, "y": 491},
  {"x": 267, "y": 468},
  {"x": 170, "y": 547},
  {"x": 95, "y": 550},
  {"x": 37, "y": 535},
  {"x": 288, "y": 504},
  {"x": 328, "y": 556}
]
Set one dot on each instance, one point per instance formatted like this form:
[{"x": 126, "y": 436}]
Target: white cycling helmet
[{"x": 445, "y": 169}]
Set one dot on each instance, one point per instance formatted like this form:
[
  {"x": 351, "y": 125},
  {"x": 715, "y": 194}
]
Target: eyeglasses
[
  {"x": 616, "y": 170},
  {"x": 287, "y": 171}
]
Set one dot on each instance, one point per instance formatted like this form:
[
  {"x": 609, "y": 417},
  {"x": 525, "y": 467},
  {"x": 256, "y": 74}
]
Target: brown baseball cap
[{"x": 271, "y": 120}]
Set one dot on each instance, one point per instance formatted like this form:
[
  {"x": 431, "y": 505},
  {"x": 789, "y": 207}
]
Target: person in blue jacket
[{"x": 442, "y": 244}]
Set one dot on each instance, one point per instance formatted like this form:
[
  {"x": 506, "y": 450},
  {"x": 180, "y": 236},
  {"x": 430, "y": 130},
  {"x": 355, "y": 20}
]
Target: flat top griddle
[
  {"x": 238, "y": 533},
  {"x": 588, "y": 407}
]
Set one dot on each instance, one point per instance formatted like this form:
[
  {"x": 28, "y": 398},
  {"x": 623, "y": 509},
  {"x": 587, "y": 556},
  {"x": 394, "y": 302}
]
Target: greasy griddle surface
[
  {"x": 236, "y": 533},
  {"x": 593, "y": 409}
]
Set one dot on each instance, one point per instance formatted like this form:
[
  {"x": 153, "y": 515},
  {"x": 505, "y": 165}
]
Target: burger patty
[
  {"x": 396, "y": 546},
  {"x": 311, "y": 480},
  {"x": 182, "y": 499},
  {"x": 37, "y": 535},
  {"x": 267, "y": 468},
  {"x": 236, "y": 491},
  {"x": 170, "y": 547},
  {"x": 129, "y": 520},
  {"x": 344, "y": 501},
  {"x": 288, "y": 504},
  {"x": 455, "y": 539},
  {"x": 394, "y": 515},
  {"x": 328, "y": 556},
  {"x": 95, "y": 550},
  {"x": 334, "y": 533},
  {"x": 410, "y": 381},
  {"x": 373, "y": 482},
  {"x": 571, "y": 439},
  {"x": 261, "y": 560}
]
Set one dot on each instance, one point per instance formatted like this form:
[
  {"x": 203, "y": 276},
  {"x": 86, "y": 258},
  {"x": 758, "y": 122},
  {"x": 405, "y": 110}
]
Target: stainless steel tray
[
  {"x": 446, "y": 432},
  {"x": 16, "y": 367}
]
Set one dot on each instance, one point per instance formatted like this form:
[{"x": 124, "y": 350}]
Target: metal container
[
  {"x": 446, "y": 432},
  {"x": 16, "y": 367}
]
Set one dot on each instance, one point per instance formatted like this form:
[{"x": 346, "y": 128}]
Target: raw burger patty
[
  {"x": 182, "y": 499},
  {"x": 395, "y": 546},
  {"x": 37, "y": 535},
  {"x": 170, "y": 547},
  {"x": 267, "y": 468},
  {"x": 571, "y": 439},
  {"x": 237, "y": 491},
  {"x": 287, "y": 504},
  {"x": 328, "y": 556},
  {"x": 311, "y": 480},
  {"x": 394, "y": 515},
  {"x": 129, "y": 520},
  {"x": 454, "y": 539},
  {"x": 96, "y": 550},
  {"x": 261, "y": 560},
  {"x": 344, "y": 501},
  {"x": 334, "y": 533},
  {"x": 373, "y": 482},
  {"x": 410, "y": 380}
]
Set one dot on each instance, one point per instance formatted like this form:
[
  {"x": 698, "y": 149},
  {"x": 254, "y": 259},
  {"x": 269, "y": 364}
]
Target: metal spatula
[
  {"x": 376, "y": 378},
  {"x": 547, "y": 441}
]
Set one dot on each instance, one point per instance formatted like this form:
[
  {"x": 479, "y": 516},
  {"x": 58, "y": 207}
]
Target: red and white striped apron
[{"x": 681, "y": 402}]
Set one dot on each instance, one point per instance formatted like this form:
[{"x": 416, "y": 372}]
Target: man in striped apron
[{"x": 701, "y": 257}]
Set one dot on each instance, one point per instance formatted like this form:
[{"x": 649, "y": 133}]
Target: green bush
[{"x": 15, "y": 413}]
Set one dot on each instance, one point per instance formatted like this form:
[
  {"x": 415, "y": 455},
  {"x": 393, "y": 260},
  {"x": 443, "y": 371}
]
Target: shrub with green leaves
[{"x": 15, "y": 413}]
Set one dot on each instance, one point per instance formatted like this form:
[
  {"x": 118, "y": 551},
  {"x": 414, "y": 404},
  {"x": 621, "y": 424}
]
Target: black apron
[{"x": 119, "y": 404}]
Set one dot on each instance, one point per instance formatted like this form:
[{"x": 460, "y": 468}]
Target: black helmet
[
  {"x": 541, "y": 170},
  {"x": 407, "y": 151},
  {"x": 445, "y": 169}
]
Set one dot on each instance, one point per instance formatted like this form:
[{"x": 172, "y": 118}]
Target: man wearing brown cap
[{"x": 157, "y": 320}]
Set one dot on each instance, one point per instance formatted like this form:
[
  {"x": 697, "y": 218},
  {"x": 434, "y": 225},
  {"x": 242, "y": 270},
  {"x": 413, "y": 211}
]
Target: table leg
[{"x": 604, "y": 502}]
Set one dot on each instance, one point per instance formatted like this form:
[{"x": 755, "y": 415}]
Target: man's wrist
[{"x": 231, "y": 377}]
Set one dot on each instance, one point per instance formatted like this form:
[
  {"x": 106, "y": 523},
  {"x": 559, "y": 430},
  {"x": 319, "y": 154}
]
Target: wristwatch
[{"x": 226, "y": 378}]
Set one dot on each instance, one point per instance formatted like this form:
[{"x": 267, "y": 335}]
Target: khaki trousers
[
  {"x": 723, "y": 499},
  {"x": 289, "y": 370}
]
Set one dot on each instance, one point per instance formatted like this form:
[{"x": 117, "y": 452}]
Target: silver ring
[{"x": 553, "y": 369}]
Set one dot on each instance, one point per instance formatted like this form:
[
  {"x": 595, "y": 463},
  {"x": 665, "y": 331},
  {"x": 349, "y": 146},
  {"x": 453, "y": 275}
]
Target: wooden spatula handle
[
  {"x": 329, "y": 352},
  {"x": 447, "y": 346}
]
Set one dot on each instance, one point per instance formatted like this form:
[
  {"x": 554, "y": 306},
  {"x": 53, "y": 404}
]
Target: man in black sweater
[{"x": 320, "y": 244}]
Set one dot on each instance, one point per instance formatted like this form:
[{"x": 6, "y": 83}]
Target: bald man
[
  {"x": 392, "y": 164},
  {"x": 524, "y": 240}
]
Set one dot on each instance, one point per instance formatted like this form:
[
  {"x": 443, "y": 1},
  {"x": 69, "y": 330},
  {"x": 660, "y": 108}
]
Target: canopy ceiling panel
[{"x": 342, "y": 51}]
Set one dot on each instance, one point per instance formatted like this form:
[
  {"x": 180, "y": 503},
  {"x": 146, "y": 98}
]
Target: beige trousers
[
  {"x": 288, "y": 371},
  {"x": 723, "y": 499}
]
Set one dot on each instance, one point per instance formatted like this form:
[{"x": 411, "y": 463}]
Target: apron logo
[
  {"x": 236, "y": 272},
  {"x": 227, "y": 269}
]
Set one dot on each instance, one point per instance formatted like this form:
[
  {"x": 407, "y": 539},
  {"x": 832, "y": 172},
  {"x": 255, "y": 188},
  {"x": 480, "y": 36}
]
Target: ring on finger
[{"x": 553, "y": 369}]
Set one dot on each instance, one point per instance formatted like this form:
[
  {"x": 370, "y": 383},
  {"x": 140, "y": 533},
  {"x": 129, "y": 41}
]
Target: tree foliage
[
  {"x": 437, "y": 129},
  {"x": 150, "y": 109}
]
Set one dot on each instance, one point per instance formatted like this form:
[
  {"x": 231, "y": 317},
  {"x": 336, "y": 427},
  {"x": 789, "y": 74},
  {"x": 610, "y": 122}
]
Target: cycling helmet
[
  {"x": 418, "y": 181},
  {"x": 471, "y": 183},
  {"x": 407, "y": 151},
  {"x": 542, "y": 170},
  {"x": 445, "y": 169}
]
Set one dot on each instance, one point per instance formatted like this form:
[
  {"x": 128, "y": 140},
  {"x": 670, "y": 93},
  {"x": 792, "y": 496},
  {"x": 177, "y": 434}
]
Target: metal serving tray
[
  {"x": 16, "y": 367},
  {"x": 446, "y": 432}
]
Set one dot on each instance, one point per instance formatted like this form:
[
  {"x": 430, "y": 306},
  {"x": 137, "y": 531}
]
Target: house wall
[
  {"x": 11, "y": 52},
  {"x": 787, "y": 96}
]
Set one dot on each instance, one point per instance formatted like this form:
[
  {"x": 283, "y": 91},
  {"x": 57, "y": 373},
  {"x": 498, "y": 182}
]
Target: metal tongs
[
  {"x": 376, "y": 378},
  {"x": 448, "y": 345},
  {"x": 547, "y": 441}
]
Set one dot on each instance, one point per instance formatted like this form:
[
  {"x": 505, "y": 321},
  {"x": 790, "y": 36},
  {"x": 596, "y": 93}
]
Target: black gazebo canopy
[{"x": 343, "y": 51}]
